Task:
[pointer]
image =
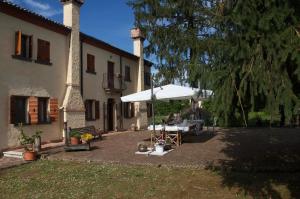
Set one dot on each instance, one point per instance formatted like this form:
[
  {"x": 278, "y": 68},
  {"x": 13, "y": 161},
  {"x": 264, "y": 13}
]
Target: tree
[{"x": 246, "y": 51}]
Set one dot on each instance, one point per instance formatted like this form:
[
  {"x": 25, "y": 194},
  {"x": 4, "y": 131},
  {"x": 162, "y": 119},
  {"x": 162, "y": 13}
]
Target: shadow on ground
[{"x": 258, "y": 159}]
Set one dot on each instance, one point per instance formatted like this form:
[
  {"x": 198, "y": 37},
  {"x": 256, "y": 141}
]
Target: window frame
[
  {"x": 127, "y": 75},
  {"x": 90, "y": 63},
  {"x": 41, "y": 44}
]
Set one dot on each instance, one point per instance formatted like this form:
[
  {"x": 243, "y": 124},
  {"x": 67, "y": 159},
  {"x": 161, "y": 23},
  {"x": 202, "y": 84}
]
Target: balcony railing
[{"x": 113, "y": 83}]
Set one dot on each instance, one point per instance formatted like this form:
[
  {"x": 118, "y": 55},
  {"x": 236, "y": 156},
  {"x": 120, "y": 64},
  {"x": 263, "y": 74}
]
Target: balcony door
[{"x": 110, "y": 74}]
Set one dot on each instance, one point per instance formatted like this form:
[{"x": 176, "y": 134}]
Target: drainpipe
[{"x": 81, "y": 69}]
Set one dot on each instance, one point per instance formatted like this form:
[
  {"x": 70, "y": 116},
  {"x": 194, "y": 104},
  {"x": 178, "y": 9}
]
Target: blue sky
[{"x": 108, "y": 20}]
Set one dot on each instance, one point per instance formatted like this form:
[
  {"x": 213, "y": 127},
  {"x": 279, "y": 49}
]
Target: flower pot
[
  {"x": 75, "y": 141},
  {"x": 29, "y": 155},
  {"x": 159, "y": 148}
]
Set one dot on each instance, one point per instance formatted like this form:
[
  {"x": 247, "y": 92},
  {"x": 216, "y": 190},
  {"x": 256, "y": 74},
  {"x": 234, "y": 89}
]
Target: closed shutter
[
  {"x": 47, "y": 51},
  {"x": 18, "y": 41},
  {"x": 90, "y": 63},
  {"x": 132, "y": 110},
  {"x": 12, "y": 109},
  {"x": 97, "y": 110},
  {"x": 43, "y": 50},
  {"x": 33, "y": 110},
  {"x": 30, "y": 46},
  {"x": 54, "y": 109}
]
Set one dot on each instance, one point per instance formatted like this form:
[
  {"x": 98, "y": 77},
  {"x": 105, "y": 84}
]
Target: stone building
[{"x": 52, "y": 73}]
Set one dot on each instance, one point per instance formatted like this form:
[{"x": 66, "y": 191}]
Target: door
[
  {"x": 110, "y": 114},
  {"x": 110, "y": 74}
]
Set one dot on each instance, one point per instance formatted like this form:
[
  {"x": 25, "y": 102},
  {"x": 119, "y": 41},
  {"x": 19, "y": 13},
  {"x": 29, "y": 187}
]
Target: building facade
[{"x": 52, "y": 74}]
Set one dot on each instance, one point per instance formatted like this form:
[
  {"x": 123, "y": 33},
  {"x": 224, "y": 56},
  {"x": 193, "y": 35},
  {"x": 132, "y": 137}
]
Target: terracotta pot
[
  {"x": 29, "y": 155},
  {"x": 75, "y": 141}
]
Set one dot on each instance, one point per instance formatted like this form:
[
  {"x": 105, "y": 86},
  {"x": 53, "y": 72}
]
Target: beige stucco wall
[
  {"x": 92, "y": 83},
  {"x": 19, "y": 77}
]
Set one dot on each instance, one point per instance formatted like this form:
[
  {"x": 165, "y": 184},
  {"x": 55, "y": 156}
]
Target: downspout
[
  {"x": 81, "y": 69},
  {"x": 121, "y": 85}
]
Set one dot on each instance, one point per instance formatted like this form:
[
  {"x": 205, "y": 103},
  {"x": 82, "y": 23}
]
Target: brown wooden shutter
[
  {"x": 53, "y": 109},
  {"x": 18, "y": 42},
  {"x": 30, "y": 46},
  {"x": 90, "y": 63},
  {"x": 33, "y": 110},
  {"x": 12, "y": 109},
  {"x": 47, "y": 51},
  {"x": 97, "y": 110},
  {"x": 132, "y": 110}
]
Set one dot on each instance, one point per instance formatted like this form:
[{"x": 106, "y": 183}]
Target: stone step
[{"x": 13, "y": 154}]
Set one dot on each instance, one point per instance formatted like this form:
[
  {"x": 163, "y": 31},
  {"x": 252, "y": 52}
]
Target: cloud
[
  {"x": 50, "y": 13},
  {"x": 38, "y": 5}
]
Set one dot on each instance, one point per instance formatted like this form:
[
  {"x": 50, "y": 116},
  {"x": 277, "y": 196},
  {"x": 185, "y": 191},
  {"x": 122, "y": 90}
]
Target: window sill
[
  {"x": 21, "y": 58},
  {"x": 90, "y": 120},
  {"x": 28, "y": 124},
  {"x": 91, "y": 72},
  {"x": 43, "y": 62}
]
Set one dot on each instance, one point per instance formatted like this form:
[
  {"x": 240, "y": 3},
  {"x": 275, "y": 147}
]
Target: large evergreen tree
[{"x": 247, "y": 51}]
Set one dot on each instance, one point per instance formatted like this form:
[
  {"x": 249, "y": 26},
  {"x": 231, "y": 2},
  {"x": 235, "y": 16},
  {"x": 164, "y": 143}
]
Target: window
[
  {"x": 43, "y": 51},
  {"x": 127, "y": 74},
  {"x": 18, "y": 109},
  {"x": 23, "y": 46},
  {"x": 149, "y": 110},
  {"x": 129, "y": 110},
  {"x": 92, "y": 110},
  {"x": 147, "y": 79},
  {"x": 90, "y": 64},
  {"x": 43, "y": 110}
]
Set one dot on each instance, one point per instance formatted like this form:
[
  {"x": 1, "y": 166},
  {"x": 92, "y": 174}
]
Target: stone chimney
[
  {"x": 74, "y": 111},
  {"x": 138, "y": 50}
]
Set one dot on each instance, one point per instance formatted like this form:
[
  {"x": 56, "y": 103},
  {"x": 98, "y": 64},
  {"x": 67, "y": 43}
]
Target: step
[{"x": 13, "y": 154}]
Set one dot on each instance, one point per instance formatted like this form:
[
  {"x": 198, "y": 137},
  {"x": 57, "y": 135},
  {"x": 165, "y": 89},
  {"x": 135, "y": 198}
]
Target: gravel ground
[{"x": 245, "y": 149}]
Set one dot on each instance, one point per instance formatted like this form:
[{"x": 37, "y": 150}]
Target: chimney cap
[
  {"x": 80, "y": 2},
  {"x": 136, "y": 33}
]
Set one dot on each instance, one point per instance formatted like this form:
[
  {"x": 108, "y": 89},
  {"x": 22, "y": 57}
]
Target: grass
[{"x": 58, "y": 179}]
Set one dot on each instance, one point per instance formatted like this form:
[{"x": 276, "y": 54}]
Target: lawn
[{"x": 66, "y": 179}]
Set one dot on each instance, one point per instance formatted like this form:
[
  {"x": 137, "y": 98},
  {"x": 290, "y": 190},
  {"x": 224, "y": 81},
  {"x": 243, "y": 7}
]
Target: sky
[{"x": 107, "y": 20}]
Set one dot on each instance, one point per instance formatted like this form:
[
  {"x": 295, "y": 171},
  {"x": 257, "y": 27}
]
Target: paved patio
[{"x": 262, "y": 149}]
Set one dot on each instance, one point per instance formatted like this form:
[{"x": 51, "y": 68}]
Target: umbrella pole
[{"x": 153, "y": 114}]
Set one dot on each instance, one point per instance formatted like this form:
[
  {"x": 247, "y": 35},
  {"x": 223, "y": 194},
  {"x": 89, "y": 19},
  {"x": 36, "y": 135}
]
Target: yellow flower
[{"x": 87, "y": 136}]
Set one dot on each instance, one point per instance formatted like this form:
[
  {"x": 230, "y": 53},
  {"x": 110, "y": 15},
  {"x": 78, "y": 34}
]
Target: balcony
[{"x": 113, "y": 83}]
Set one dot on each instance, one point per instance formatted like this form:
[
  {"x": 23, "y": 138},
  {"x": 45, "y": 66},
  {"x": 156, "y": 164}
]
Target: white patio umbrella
[{"x": 166, "y": 93}]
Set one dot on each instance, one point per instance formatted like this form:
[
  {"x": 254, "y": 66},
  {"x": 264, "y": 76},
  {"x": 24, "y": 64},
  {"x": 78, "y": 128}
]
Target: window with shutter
[
  {"x": 89, "y": 110},
  {"x": 127, "y": 74},
  {"x": 33, "y": 110},
  {"x": 18, "y": 109},
  {"x": 23, "y": 46},
  {"x": 43, "y": 51},
  {"x": 90, "y": 64},
  {"x": 97, "y": 110},
  {"x": 43, "y": 110},
  {"x": 54, "y": 109}
]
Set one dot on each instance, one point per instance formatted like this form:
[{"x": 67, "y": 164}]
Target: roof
[{"x": 39, "y": 20}]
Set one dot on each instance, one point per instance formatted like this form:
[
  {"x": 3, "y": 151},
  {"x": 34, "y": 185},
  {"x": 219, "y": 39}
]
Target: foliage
[
  {"x": 75, "y": 134},
  {"x": 246, "y": 51},
  {"x": 166, "y": 108},
  {"x": 27, "y": 141}
]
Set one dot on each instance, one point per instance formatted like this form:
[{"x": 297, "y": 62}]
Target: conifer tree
[{"x": 246, "y": 51}]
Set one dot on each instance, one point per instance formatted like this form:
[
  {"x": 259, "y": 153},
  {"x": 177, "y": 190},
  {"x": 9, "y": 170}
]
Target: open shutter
[
  {"x": 33, "y": 110},
  {"x": 12, "y": 109},
  {"x": 30, "y": 46},
  {"x": 53, "y": 109},
  {"x": 18, "y": 41},
  {"x": 97, "y": 110}
]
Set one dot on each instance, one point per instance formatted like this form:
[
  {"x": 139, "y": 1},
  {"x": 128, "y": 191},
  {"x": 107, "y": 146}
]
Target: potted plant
[
  {"x": 75, "y": 138},
  {"x": 142, "y": 147},
  {"x": 160, "y": 145},
  {"x": 27, "y": 142}
]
